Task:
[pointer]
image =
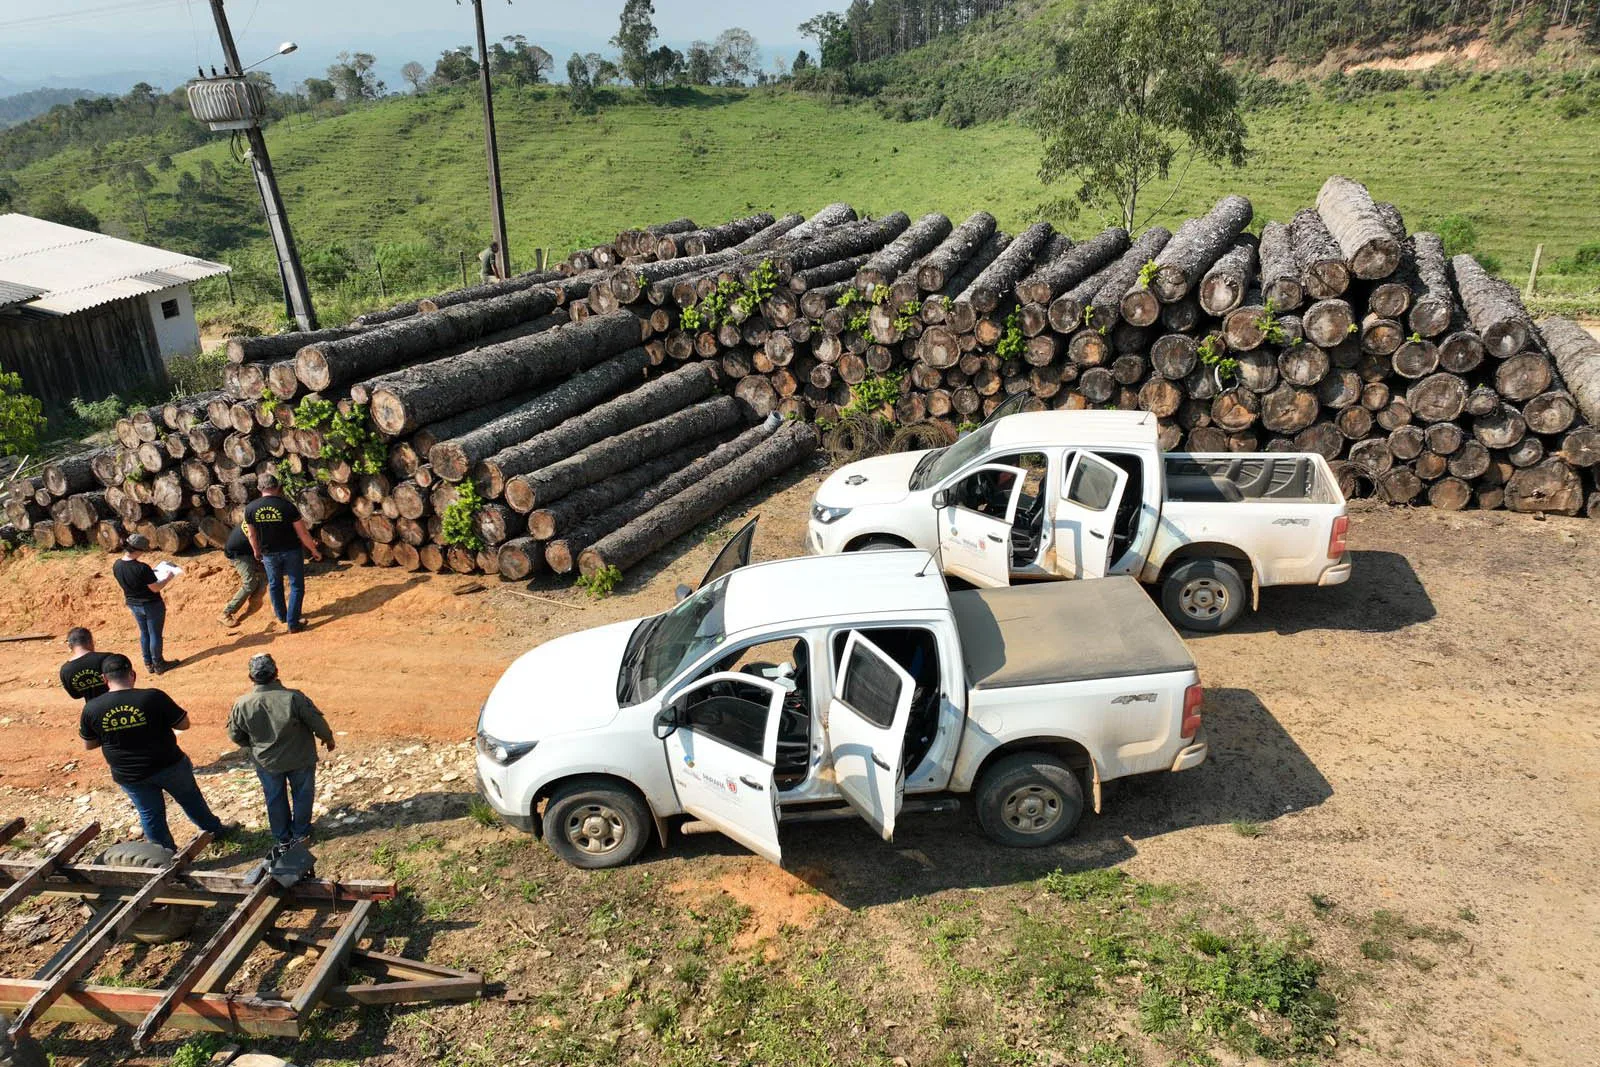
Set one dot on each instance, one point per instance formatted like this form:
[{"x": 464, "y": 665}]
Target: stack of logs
[{"x": 608, "y": 406}]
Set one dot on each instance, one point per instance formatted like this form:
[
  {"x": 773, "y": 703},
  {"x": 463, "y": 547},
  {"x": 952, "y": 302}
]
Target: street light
[{"x": 283, "y": 49}]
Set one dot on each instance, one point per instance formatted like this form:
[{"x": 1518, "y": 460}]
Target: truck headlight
[
  {"x": 827, "y": 515},
  {"x": 505, "y": 753}
]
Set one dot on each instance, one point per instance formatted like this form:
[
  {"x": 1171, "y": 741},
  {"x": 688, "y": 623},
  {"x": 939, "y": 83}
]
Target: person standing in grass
[
  {"x": 281, "y": 727},
  {"x": 141, "y": 591},
  {"x": 489, "y": 263},
  {"x": 277, "y": 534},
  {"x": 83, "y": 675},
  {"x": 239, "y": 553}
]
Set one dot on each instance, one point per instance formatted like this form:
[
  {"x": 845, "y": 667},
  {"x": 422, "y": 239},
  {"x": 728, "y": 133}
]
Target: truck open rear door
[
  {"x": 866, "y": 730},
  {"x": 976, "y": 545},
  {"x": 1086, "y": 516},
  {"x": 722, "y": 752}
]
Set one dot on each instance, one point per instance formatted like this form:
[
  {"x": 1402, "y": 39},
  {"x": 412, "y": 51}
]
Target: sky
[{"x": 108, "y": 45}]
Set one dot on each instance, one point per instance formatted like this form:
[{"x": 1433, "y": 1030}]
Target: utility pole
[
  {"x": 496, "y": 200},
  {"x": 296, "y": 294}
]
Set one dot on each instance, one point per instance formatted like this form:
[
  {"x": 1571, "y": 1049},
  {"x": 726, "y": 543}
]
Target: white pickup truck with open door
[
  {"x": 1085, "y": 494},
  {"x": 822, "y": 687}
]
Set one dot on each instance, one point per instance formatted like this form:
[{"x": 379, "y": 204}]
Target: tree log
[
  {"x": 174, "y": 537},
  {"x": 1550, "y": 412},
  {"x": 1078, "y": 263},
  {"x": 1116, "y": 280},
  {"x": 1550, "y": 486},
  {"x": 1580, "y": 448},
  {"x": 1322, "y": 438},
  {"x": 1236, "y": 409},
  {"x": 1406, "y": 443},
  {"x": 1502, "y": 428},
  {"x": 1280, "y": 274},
  {"x": 786, "y": 448},
  {"x": 1288, "y": 410},
  {"x": 1354, "y": 422},
  {"x": 1318, "y": 259},
  {"x": 1399, "y": 485},
  {"x": 1444, "y": 438},
  {"x": 521, "y": 558},
  {"x": 1328, "y": 322},
  {"x": 1470, "y": 461},
  {"x": 999, "y": 279},
  {"x": 1372, "y": 455},
  {"x": 1395, "y": 414},
  {"x": 1493, "y": 307},
  {"x": 1526, "y": 452},
  {"x": 713, "y": 239},
  {"x": 1303, "y": 365},
  {"x": 1437, "y": 398},
  {"x": 894, "y": 258},
  {"x": 1173, "y": 355},
  {"x": 1577, "y": 357},
  {"x": 1449, "y": 494},
  {"x": 1198, "y": 244},
  {"x": 838, "y": 243},
  {"x": 1230, "y": 278},
  {"x": 71, "y": 474},
  {"x": 1381, "y": 336},
  {"x": 1483, "y": 400},
  {"x": 1523, "y": 376},
  {"x": 1369, "y": 246}
]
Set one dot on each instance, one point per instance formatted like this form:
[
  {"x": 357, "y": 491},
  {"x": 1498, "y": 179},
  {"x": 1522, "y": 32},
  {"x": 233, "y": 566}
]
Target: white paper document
[{"x": 165, "y": 570}]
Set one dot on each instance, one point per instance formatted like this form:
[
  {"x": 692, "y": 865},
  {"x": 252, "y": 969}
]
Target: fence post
[
  {"x": 538, "y": 259},
  {"x": 231, "y": 301},
  {"x": 1533, "y": 275},
  {"x": 383, "y": 292},
  {"x": 463, "y": 256}
]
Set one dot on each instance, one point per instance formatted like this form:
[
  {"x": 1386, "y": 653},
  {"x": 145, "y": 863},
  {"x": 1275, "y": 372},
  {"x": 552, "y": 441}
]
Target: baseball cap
[{"x": 263, "y": 668}]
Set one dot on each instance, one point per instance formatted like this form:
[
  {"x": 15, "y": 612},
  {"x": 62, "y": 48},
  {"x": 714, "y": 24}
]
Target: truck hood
[
  {"x": 880, "y": 480},
  {"x": 563, "y": 686}
]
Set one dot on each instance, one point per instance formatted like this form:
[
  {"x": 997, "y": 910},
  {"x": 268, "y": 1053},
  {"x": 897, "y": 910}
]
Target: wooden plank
[
  {"x": 11, "y": 829},
  {"x": 119, "y": 1006},
  {"x": 384, "y": 966},
  {"x": 421, "y": 992},
  {"x": 201, "y": 964},
  {"x": 103, "y": 915},
  {"x": 93, "y": 879},
  {"x": 25, "y": 637},
  {"x": 96, "y": 947},
  {"x": 23, "y": 887},
  {"x": 226, "y": 966},
  {"x": 333, "y": 957}
]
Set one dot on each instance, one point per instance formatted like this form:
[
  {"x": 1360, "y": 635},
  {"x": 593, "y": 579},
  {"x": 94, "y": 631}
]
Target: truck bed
[
  {"x": 1064, "y": 632},
  {"x": 1251, "y": 477}
]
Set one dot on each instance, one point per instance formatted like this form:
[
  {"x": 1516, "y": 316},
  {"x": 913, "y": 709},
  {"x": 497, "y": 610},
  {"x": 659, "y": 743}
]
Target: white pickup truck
[
  {"x": 1083, "y": 494},
  {"x": 810, "y": 688}
]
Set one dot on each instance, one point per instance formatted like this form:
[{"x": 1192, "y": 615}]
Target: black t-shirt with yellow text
[
  {"x": 81, "y": 677},
  {"x": 273, "y": 519},
  {"x": 134, "y": 728}
]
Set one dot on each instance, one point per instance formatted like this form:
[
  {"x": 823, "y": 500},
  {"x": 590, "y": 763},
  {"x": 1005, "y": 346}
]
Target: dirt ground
[{"x": 1420, "y": 743}]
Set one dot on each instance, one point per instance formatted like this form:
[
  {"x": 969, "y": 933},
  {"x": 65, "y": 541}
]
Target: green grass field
[{"x": 411, "y": 169}]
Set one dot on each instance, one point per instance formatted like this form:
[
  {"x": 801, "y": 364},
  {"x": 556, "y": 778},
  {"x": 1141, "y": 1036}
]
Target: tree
[
  {"x": 54, "y": 206},
  {"x": 580, "y": 87},
  {"x": 663, "y": 66},
  {"x": 525, "y": 64},
  {"x": 736, "y": 51},
  {"x": 5, "y": 198},
  {"x": 835, "y": 48},
  {"x": 455, "y": 65},
  {"x": 132, "y": 182},
  {"x": 143, "y": 96},
  {"x": 319, "y": 90},
  {"x": 634, "y": 34},
  {"x": 1135, "y": 86},
  {"x": 802, "y": 61},
  {"x": 353, "y": 77},
  {"x": 700, "y": 66},
  {"x": 21, "y": 417},
  {"x": 601, "y": 70},
  {"x": 415, "y": 74}
]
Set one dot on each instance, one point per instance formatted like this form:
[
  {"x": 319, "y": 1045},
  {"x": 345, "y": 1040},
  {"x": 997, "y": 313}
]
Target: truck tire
[
  {"x": 164, "y": 922},
  {"x": 880, "y": 543},
  {"x": 23, "y": 1052},
  {"x": 1204, "y": 595},
  {"x": 1029, "y": 800},
  {"x": 594, "y": 823}
]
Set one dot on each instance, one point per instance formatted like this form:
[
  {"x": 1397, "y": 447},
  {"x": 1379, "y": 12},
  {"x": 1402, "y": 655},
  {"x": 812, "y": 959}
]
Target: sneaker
[
  {"x": 156, "y": 668},
  {"x": 167, "y": 665},
  {"x": 227, "y": 832},
  {"x": 297, "y": 627},
  {"x": 227, "y": 620}
]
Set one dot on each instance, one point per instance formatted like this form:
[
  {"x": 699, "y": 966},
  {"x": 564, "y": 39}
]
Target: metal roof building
[{"x": 85, "y": 315}]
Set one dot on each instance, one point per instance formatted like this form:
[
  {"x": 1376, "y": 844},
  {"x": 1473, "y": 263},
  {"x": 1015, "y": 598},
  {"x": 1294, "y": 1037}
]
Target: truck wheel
[
  {"x": 1207, "y": 595},
  {"x": 596, "y": 824},
  {"x": 164, "y": 922},
  {"x": 1028, "y": 800},
  {"x": 23, "y": 1052},
  {"x": 880, "y": 544}
]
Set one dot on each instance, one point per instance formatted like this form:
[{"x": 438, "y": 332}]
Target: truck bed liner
[{"x": 1064, "y": 632}]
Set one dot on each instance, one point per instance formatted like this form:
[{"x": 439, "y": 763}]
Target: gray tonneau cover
[{"x": 1064, "y": 632}]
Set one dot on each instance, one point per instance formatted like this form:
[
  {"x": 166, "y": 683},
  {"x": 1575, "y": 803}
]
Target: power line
[{"x": 89, "y": 12}]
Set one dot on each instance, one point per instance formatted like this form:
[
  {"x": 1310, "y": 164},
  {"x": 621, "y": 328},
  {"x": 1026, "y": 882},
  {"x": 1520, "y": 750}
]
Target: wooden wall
[{"x": 107, "y": 349}]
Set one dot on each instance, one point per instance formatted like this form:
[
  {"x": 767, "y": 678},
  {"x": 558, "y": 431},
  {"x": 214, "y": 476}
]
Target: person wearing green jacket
[{"x": 281, "y": 727}]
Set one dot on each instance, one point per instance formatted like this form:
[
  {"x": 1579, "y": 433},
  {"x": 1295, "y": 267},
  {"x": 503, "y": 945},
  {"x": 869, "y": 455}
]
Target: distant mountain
[{"x": 24, "y": 106}]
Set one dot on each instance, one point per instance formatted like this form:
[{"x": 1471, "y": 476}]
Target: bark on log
[
  {"x": 85, "y": 510},
  {"x": 1437, "y": 398},
  {"x": 411, "y": 398},
  {"x": 827, "y": 274},
  {"x": 1550, "y": 486},
  {"x": 283, "y": 345},
  {"x": 1577, "y": 357},
  {"x": 174, "y": 537},
  {"x": 70, "y": 474},
  {"x": 834, "y": 215},
  {"x": 618, "y": 453},
  {"x": 1280, "y": 274},
  {"x": 944, "y": 306},
  {"x": 1080, "y": 262},
  {"x": 999, "y": 279},
  {"x": 789, "y": 446},
  {"x": 1224, "y": 286},
  {"x": 839, "y": 243},
  {"x": 713, "y": 239},
  {"x": 1369, "y": 247},
  {"x": 1434, "y": 305},
  {"x": 487, "y": 290},
  {"x": 496, "y": 523},
  {"x": 1493, "y": 307},
  {"x": 1198, "y": 244},
  {"x": 1120, "y": 277},
  {"x": 891, "y": 261},
  {"x": 1523, "y": 376},
  {"x": 771, "y": 234},
  {"x": 520, "y": 559},
  {"x": 1324, "y": 274}
]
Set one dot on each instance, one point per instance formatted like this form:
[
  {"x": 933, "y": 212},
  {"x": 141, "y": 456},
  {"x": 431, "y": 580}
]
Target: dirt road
[{"x": 1408, "y": 765}]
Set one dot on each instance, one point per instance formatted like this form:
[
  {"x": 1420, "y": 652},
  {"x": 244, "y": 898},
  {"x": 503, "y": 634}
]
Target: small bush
[
  {"x": 198, "y": 373},
  {"x": 21, "y": 417},
  {"x": 1585, "y": 261},
  {"x": 482, "y": 813},
  {"x": 98, "y": 415}
]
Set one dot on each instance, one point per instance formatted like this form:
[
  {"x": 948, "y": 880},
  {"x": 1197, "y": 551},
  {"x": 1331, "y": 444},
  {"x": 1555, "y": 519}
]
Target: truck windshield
[
  {"x": 663, "y": 645},
  {"x": 939, "y": 464}
]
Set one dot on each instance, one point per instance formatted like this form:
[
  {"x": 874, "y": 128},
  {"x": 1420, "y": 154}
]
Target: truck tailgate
[{"x": 1064, "y": 632}]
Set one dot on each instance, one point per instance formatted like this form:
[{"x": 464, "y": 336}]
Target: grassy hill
[{"x": 404, "y": 179}]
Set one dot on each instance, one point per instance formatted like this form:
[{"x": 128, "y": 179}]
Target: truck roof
[
  {"x": 855, "y": 583},
  {"x": 1064, "y": 632},
  {"x": 1048, "y": 427}
]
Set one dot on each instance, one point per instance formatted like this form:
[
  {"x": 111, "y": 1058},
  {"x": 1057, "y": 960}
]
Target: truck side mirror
[
  {"x": 666, "y": 722},
  {"x": 941, "y": 499},
  {"x": 683, "y": 592}
]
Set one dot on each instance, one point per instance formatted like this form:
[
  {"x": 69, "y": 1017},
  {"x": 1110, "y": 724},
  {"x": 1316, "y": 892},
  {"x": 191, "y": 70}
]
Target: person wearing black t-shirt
[
  {"x": 277, "y": 533},
  {"x": 141, "y": 591},
  {"x": 81, "y": 676},
  {"x": 243, "y": 557},
  {"x": 135, "y": 730}
]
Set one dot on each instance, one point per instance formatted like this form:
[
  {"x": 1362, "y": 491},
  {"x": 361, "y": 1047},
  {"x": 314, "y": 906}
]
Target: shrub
[
  {"x": 199, "y": 373},
  {"x": 98, "y": 415},
  {"x": 1585, "y": 261},
  {"x": 21, "y": 416}
]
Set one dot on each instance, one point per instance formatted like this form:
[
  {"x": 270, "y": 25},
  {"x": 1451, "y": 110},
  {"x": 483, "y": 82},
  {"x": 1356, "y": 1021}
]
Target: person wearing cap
[
  {"x": 83, "y": 676},
  {"x": 277, "y": 534},
  {"x": 136, "y": 731},
  {"x": 238, "y": 552},
  {"x": 280, "y": 727},
  {"x": 141, "y": 591}
]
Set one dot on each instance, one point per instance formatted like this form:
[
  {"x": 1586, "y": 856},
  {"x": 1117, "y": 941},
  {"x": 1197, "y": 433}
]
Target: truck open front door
[
  {"x": 976, "y": 545},
  {"x": 1086, "y": 516},
  {"x": 866, "y": 731}
]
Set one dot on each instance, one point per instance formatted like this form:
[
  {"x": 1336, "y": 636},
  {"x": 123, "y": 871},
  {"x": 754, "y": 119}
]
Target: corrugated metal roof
[
  {"x": 71, "y": 270},
  {"x": 17, "y": 294}
]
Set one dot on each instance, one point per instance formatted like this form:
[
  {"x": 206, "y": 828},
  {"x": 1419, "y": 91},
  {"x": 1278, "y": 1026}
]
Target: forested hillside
[{"x": 20, "y": 107}]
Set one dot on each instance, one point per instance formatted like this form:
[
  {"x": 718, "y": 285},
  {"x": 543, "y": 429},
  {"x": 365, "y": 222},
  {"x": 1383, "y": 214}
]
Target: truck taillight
[
  {"x": 1193, "y": 697},
  {"x": 1341, "y": 527}
]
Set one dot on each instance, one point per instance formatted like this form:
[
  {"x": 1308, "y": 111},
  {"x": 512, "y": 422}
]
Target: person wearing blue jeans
[
  {"x": 281, "y": 727},
  {"x": 136, "y": 731},
  {"x": 141, "y": 591},
  {"x": 277, "y": 535}
]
